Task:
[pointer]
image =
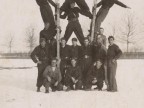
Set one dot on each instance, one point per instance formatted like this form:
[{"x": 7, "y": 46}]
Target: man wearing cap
[
  {"x": 73, "y": 76},
  {"x": 75, "y": 50},
  {"x": 65, "y": 58},
  {"x": 87, "y": 54},
  {"x": 52, "y": 77},
  {"x": 72, "y": 15},
  {"x": 41, "y": 56}
]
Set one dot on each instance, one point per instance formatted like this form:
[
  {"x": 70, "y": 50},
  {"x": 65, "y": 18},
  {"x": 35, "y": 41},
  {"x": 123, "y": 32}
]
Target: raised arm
[
  {"x": 121, "y": 4},
  {"x": 52, "y": 3},
  {"x": 85, "y": 13}
]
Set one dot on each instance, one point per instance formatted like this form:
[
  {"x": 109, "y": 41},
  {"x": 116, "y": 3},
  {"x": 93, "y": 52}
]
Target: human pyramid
[{"x": 80, "y": 67}]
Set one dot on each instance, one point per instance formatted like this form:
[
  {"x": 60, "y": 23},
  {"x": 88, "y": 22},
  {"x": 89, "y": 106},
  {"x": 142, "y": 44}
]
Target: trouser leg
[
  {"x": 78, "y": 32},
  {"x": 112, "y": 77},
  {"x": 46, "y": 84},
  {"x": 99, "y": 85},
  {"x": 85, "y": 68},
  {"x": 69, "y": 30},
  {"x": 40, "y": 78},
  {"x": 78, "y": 85},
  {"x": 101, "y": 15},
  {"x": 63, "y": 71},
  {"x": 59, "y": 87}
]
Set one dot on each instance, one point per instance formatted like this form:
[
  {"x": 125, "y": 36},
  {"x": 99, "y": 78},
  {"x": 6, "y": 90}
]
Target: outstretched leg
[
  {"x": 79, "y": 33},
  {"x": 69, "y": 30}
]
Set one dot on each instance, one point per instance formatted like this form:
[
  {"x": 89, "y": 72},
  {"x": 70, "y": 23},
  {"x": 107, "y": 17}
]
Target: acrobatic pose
[
  {"x": 49, "y": 30},
  {"x": 81, "y": 3},
  {"x": 103, "y": 11},
  {"x": 73, "y": 23}
]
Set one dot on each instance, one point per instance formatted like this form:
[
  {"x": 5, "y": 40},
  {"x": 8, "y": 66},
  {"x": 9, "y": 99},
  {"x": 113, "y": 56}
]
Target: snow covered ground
[{"x": 17, "y": 88}]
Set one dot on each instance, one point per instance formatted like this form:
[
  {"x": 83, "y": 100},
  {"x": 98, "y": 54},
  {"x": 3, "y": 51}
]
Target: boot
[
  {"x": 46, "y": 91},
  {"x": 38, "y": 89}
]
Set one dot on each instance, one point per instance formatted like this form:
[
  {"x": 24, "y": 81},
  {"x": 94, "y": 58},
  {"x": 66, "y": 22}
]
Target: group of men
[{"x": 80, "y": 66}]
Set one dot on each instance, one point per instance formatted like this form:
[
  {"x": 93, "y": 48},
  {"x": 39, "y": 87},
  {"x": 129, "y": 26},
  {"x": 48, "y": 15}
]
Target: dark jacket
[
  {"x": 65, "y": 52},
  {"x": 96, "y": 73},
  {"x": 100, "y": 52},
  {"x": 74, "y": 72},
  {"x": 41, "y": 54},
  {"x": 75, "y": 51},
  {"x": 110, "y": 3},
  {"x": 54, "y": 75},
  {"x": 114, "y": 52},
  {"x": 87, "y": 50},
  {"x": 72, "y": 13}
]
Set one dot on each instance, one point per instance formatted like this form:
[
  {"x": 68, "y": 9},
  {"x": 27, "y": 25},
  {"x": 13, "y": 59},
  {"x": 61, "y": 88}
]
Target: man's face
[
  {"x": 72, "y": 5},
  {"x": 86, "y": 42},
  {"x": 73, "y": 62},
  {"x": 63, "y": 42},
  {"x": 99, "y": 39},
  {"x": 53, "y": 63},
  {"x": 111, "y": 41},
  {"x": 98, "y": 64},
  {"x": 74, "y": 43},
  {"x": 101, "y": 31},
  {"x": 43, "y": 43}
]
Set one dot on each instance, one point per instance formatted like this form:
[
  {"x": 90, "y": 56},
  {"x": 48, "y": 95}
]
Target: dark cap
[{"x": 74, "y": 39}]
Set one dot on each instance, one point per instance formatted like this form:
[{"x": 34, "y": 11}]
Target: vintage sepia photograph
[{"x": 71, "y": 54}]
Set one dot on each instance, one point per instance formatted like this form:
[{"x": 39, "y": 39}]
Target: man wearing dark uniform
[
  {"x": 41, "y": 56},
  {"x": 65, "y": 58},
  {"x": 75, "y": 50},
  {"x": 48, "y": 18},
  {"x": 100, "y": 53},
  {"x": 87, "y": 54},
  {"x": 113, "y": 54},
  {"x": 72, "y": 15},
  {"x": 52, "y": 77},
  {"x": 95, "y": 76},
  {"x": 73, "y": 76}
]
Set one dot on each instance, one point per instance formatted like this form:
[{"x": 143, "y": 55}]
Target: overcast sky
[{"x": 17, "y": 15}]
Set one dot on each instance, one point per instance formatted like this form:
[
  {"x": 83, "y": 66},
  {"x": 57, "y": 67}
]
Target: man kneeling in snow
[
  {"x": 73, "y": 76},
  {"x": 96, "y": 76},
  {"x": 52, "y": 77}
]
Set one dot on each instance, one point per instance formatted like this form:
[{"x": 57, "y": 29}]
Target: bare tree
[
  {"x": 30, "y": 38},
  {"x": 10, "y": 42},
  {"x": 113, "y": 29},
  {"x": 128, "y": 30}
]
